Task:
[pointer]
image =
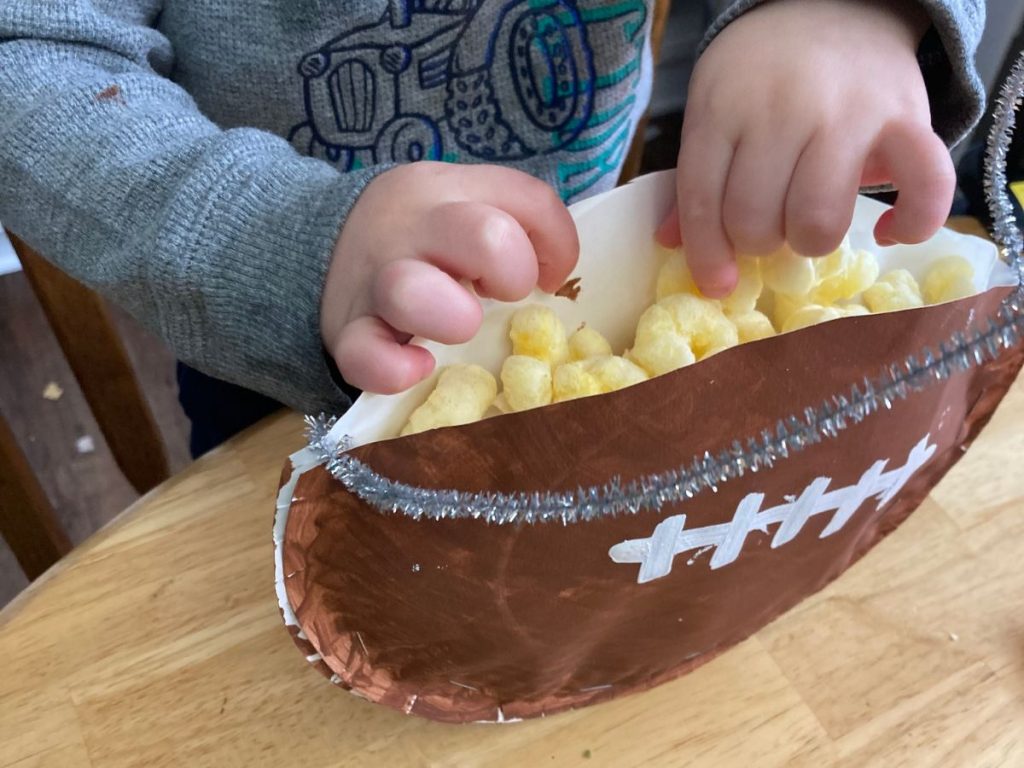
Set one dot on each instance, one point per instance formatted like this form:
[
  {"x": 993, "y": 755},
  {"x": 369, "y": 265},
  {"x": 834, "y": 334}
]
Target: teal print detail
[{"x": 607, "y": 131}]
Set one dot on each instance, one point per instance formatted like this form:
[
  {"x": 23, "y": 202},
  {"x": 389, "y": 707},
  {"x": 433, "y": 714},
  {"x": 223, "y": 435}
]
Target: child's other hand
[
  {"x": 791, "y": 109},
  {"x": 416, "y": 236}
]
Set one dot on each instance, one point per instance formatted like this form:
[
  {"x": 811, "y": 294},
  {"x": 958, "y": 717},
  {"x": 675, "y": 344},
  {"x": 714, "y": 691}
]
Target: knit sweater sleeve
[{"x": 219, "y": 240}]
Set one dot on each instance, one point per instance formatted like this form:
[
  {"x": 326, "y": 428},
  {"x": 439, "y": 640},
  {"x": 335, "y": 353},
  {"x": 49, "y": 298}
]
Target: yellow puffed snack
[
  {"x": 809, "y": 315},
  {"x": 674, "y": 276},
  {"x": 714, "y": 351},
  {"x": 948, "y": 278},
  {"x": 462, "y": 395},
  {"x": 894, "y": 290},
  {"x": 572, "y": 380},
  {"x": 679, "y": 330},
  {"x": 595, "y": 376},
  {"x": 835, "y": 263},
  {"x": 538, "y": 332},
  {"x": 753, "y": 326},
  {"x": 853, "y": 310},
  {"x": 586, "y": 343},
  {"x": 748, "y": 289},
  {"x": 844, "y": 277},
  {"x": 787, "y": 273},
  {"x": 785, "y": 306},
  {"x": 702, "y": 322},
  {"x": 526, "y": 382},
  {"x": 659, "y": 348}
]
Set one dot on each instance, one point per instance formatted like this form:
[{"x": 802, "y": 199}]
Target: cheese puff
[
  {"x": 748, "y": 289},
  {"x": 595, "y": 376},
  {"x": 857, "y": 272},
  {"x": 894, "y": 290},
  {"x": 586, "y": 343},
  {"x": 538, "y": 332},
  {"x": 787, "y": 273},
  {"x": 753, "y": 326},
  {"x": 714, "y": 351},
  {"x": 853, "y": 310},
  {"x": 572, "y": 380},
  {"x": 834, "y": 263},
  {"x": 463, "y": 395},
  {"x": 785, "y": 306},
  {"x": 659, "y": 347},
  {"x": 701, "y": 322},
  {"x": 949, "y": 278},
  {"x": 811, "y": 314},
  {"x": 616, "y": 372},
  {"x": 526, "y": 382},
  {"x": 674, "y": 276}
]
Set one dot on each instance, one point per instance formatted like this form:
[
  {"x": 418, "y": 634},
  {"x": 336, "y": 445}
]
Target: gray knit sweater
[{"x": 194, "y": 160}]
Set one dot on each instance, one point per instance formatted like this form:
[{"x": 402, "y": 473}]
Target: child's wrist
[
  {"x": 913, "y": 16},
  {"x": 907, "y": 15}
]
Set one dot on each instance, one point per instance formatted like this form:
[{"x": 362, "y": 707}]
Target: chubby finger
[
  {"x": 370, "y": 357},
  {"x": 921, "y": 169},
  {"x": 823, "y": 191},
  {"x": 753, "y": 209},
  {"x": 485, "y": 245},
  {"x": 704, "y": 161},
  {"x": 668, "y": 234},
  {"x": 539, "y": 211},
  {"x": 418, "y": 299}
]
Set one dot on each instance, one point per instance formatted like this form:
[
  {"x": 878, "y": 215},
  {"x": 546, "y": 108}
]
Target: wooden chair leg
[
  {"x": 96, "y": 354},
  {"x": 27, "y": 521},
  {"x": 631, "y": 167}
]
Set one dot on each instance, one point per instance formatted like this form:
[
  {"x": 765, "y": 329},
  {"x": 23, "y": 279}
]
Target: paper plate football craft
[{"x": 607, "y": 488}]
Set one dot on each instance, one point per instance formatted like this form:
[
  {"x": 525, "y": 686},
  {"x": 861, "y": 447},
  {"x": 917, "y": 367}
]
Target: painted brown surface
[{"x": 456, "y": 620}]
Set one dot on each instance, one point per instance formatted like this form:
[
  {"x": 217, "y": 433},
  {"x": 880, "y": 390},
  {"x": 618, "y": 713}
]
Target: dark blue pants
[{"x": 217, "y": 410}]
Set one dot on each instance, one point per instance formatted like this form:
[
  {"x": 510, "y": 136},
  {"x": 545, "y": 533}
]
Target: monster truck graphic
[{"x": 484, "y": 60}]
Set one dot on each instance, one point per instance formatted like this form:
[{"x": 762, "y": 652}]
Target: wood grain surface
[
  {"x": 158, "y": 642},
  {"x": 97, "y": 355},
  {"x": 85, "y": 487},
  {"x": 28, "y": 523}
]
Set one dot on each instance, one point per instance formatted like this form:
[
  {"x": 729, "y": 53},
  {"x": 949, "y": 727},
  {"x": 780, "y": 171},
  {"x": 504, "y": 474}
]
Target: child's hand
[
  {"x": 416, "y": 234},
  {"x": 791, "y": 109}
]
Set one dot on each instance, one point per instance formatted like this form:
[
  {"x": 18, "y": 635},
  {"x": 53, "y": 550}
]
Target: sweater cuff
[
  {"x": 946, "y": 55},
  {"x": 263, "y": 242}
]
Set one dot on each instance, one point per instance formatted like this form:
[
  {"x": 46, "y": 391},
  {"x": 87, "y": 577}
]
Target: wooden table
[{"x": 158, "y": 642}]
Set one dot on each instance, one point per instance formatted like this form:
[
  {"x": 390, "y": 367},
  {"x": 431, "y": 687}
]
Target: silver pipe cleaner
[
  {"x": 1005, "y": 231},
  {"x": 790, "y": 435}
]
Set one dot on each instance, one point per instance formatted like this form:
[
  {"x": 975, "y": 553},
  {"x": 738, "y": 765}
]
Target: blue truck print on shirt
[{"x": 505, "y": 80}]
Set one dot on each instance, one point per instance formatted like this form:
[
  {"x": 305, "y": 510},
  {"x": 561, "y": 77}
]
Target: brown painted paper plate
[{"x": 460, "y": 620}]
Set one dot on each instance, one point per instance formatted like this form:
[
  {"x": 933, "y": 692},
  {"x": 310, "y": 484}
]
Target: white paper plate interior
[{"x": 618, "y": 269}]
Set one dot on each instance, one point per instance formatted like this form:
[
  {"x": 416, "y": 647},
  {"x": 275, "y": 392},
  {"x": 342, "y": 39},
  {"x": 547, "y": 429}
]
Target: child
[{"x": 149, "y": 148}]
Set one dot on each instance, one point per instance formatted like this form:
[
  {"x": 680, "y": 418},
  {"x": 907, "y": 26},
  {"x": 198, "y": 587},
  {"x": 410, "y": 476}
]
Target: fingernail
[
  {"x": 667, "y": 233},
  {"x": 883, "y": 229}
]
